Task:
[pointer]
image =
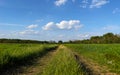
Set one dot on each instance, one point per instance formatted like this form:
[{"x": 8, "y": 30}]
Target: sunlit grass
[
  {"x": 12, "y": 54},
  {"x": 104, "y": 54},
  {"x": 63, "y": 63}
]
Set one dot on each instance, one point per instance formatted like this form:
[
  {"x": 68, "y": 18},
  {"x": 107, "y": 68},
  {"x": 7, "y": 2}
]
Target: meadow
[
  {"x": 15, "y": 54},
  {"x": 107, "y": 55},
  {"x": 63, "y": 63}
]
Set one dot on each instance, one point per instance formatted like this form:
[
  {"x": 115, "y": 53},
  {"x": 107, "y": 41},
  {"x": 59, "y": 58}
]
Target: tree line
[
  {"x": 107, "y": 38},
  {"x": 4, "y": 40}
]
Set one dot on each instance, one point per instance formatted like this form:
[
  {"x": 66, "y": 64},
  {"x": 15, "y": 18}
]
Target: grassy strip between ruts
[
  {"x": 63, "y": 63},
  {"x": 106, "y": 55},
  {"x": 15, "y": 54}
]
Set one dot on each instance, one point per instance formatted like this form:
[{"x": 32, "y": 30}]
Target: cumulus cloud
[
  {"x": 98, "y": 3},
  {"x": 32, "y": 26},
  {"x": 49, "y": 26},
  {"x": 29, "y": 32},
  {"x": 71, "y": 24},
  {"x": 68, "y": 24},
  {"x": 60, "y": 2}
]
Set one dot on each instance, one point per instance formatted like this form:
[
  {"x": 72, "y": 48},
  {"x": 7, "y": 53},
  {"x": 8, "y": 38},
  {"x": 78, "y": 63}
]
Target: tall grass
[
  {"x": 104, "y": 54},
  {"x": 12, "y": 54},
  {"x": 63, "y": 63}
]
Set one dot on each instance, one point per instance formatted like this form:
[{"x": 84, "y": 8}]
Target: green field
[
  {"x": 63, "y": 60},
  {"x": 14, "y": 54},
  {"x": 63, "y": 63},
  {"x": 104, "y": 54}
]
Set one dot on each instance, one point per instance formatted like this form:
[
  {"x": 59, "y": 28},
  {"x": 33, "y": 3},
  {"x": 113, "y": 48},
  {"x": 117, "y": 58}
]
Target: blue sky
[{"x": 58, "y": 19}]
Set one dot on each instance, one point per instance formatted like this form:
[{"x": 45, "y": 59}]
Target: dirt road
[{"x": 34, "y": 68}]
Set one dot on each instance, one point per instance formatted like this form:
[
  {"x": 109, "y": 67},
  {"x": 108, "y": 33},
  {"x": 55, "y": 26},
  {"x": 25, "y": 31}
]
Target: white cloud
[
  {"x": 32, "y": 26},
  {"x": 49, "y": 26},
  {"x": 68, "y": 24},
  {"x": 85, "y": 3},
  {"x": 60, "y": 2},
  {"x": 29, "y": 32},
  {"x": 111, "y": 27},
  {"x": 71, "y": 24},
  {"x": 116, "y": 10},
  {"x": 98, "y": 3}
]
